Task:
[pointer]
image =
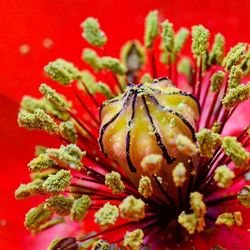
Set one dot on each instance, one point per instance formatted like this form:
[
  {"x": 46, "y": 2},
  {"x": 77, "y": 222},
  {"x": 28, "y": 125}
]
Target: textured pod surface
[{"x": 146, "y": 120}]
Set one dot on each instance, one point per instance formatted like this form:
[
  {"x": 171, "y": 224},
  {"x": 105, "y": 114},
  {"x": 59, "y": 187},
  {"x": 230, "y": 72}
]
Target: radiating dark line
[
  {"x": 130, "y": 164},
  {"x": 105, "y": 126},
  {"x": 183, "y": 119},
  {"x": 157, "y": 135},
  {"x": 179, "y": 93}
]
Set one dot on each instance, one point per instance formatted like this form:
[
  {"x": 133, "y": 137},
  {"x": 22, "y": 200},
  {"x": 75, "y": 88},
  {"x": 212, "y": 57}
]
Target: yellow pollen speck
[
  {"x": 133, "y": 240},
  {"x": 179, "y": 174},
  {"x": 230, "y": 219},
  {"x": 223, "y": 176},
  {"x": 152, "y": 163}
]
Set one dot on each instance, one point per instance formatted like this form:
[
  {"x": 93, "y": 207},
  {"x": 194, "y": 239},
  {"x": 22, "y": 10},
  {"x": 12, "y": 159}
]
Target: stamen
[
  {"x": 145, "y": 188},
  {"x": 132, "y": 209},
  {"x": 80, "y": 208},
  {"x": 92, "y": 32},
  {"x": 38, "y": 120},
  {"x": 230, "y": 219},
  {"x": 114, "y": 182},
  {"x": 223, "y": 176},
  {"x": 179, "y": 174},
  {"x": 62, "y": 71},
  {"x": 60, "y": 205},
  {"x": 107, "y": 215},
  {"x": 57, "y": 183},
  {"x": 133, "y": 240}
]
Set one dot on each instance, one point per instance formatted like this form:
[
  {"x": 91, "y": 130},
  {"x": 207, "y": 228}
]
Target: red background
[{"x": 30, "y": 22}]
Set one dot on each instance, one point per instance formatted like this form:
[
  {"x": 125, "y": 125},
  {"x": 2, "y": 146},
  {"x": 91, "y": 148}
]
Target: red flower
[{"x": 15, "y": 143}]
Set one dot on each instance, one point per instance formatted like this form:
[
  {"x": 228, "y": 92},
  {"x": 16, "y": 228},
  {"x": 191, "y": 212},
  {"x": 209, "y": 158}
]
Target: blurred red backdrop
[{"x": 31, "y": 22}]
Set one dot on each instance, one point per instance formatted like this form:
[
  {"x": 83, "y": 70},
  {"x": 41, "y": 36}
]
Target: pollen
[
  {"x": 60, "y": 205},
  {"x": 132, "y": 209},
  {"x": 217, "y": 79},
  {"x": 80, "y": 208},
  {"x": 133, "y": 240},
  {"x": 217, "y": 52},
  {"x": 230, "y": 219},
  {"x": 114, "y": 182},
  {"x": 107, "y": 215},
  {"x": 57, "y": 183},
  {"x": 68, "y": 131},
  {"x": 168, "y": 35},
  {"x": 38, "y": 120},
  {"x": 91, "y": 58},
  {"x": 200, "y": 36},
  {"x": 235, "y": 151},
  {"x": 151, "y": 28},
  {"x": 41, "y": 162},
  {"x": 244, "y": 196},
  {"x": 101, "y": 245},
  {"x": 31, "y": 189},
  {"x": 37, "y": 216},
  {"x": 179, "y": 174},
  {"x": 185, "y": 145},
  {"x": 197, "y": 204},
  {"x": 208, "y": 142},
  {"x": 152, "y": 163},
  {"x": 92, "y": 32},
  {"x": 113, "y": 65},
  {"x": 67, "y": 156},
  {"x": 145, "y": 187},
  {"x": 62, "y": 71},
  {"x": 223, "y": 176}
]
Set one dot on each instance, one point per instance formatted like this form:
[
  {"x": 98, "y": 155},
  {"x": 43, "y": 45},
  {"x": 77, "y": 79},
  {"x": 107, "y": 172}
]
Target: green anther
[
  {"x": 37, "y": 216},
  {"x": 197, "y": 204},
  {"x": 168, "y": 36},
  {"x": 180, "y": 39},
  {"x": 152, "y": 163},
  {"x": 223, "y": 176},
  {"x": 41, "y": 162},
  {"x": 146, "y": 78},
  {"x": 245, "y": 64},
  {"x": 31, "y": 189},
  {"x": 151, "y": 28},
  {"x": 90, "y": 57},
  {"x": 208, "y": 142},
  {"x": 107, "y": 215},
  {"x": 185, "y": 145},
  {"x": 179, "y": 174},
  {"x": 114, "y": 182},
  {"x": 185, "y": 67},
  {"x": 101, "y": 245},
  {"x": 132, "y": 209},
  {"x": 113, "y": 64},
  {"x": 133, "y": 240},
  {"x": 235, "y": 55},
  {"x": 216, "y": 54},
  {"x": 200, "y": 36},
  {"x": 30, "y": 103},
  {"x": 235, "y": 151},
  {"x": 188, "y": 221},
  {"x": 230, "y": 219},
  {"x": 93, "y": 33},
  {"x": 68, "y": 131},
  {"x": 88, "y": 80},
  {"x": 104, "y": 89},
  {"x": 80, "y": 208},
  {"x": 58, "y": 182},
  {"x": 60, "y": 205},
  {"x": 62, "y": 71},
  {"x": 235, "y": 77},
  {"x": 67, "y": 156},
  {"x": 52, "y": 96},
  {"x": 216, "y": 127},
  {"x": 217, "y": 80},
  {"x": 133, "y": 55},
  {"x": 38, "y": 120},
  {"x": 145, "y": 187},
  {"x": 236, "y": 95},
  {"x": 244, "y": 196}
]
